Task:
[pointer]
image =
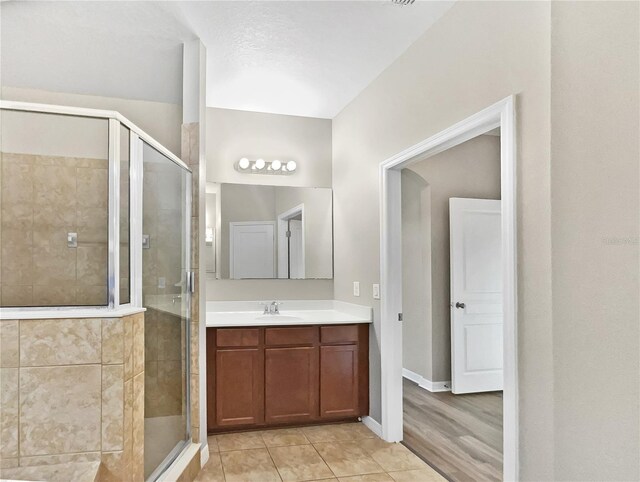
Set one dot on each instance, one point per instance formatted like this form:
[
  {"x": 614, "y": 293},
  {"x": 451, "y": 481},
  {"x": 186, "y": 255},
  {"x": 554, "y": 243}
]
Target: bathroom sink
[{"x": 278, "y": 318}]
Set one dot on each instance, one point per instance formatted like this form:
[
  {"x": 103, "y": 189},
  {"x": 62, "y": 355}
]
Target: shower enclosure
[{"x": 95, "y": 216}]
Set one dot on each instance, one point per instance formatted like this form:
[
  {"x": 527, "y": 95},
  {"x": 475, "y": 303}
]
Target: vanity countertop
[{"x": 292, "y": 313}]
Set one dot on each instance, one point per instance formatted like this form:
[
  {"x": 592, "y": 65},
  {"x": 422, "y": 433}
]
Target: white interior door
[
  {"x": 252, "y": 250},
  {"x": 296, "y": 249},
  {"x": 476, "y": 295}
]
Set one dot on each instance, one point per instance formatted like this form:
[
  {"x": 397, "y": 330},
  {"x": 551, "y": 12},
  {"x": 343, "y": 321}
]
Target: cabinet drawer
[
  {"x": 306, "y": 335},
  {"x": 237, "y": 336},
  {"x": 339, "y": 334}
]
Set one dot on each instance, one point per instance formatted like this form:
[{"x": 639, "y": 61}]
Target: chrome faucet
[{"x": 271, "y": 308}]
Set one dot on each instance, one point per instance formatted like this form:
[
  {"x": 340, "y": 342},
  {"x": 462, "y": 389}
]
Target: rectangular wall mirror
[{"x": 269, "y": 232}]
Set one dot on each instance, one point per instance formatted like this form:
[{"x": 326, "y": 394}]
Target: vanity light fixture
[
  {"x": 260, "y": 166},
  {"x": 244, "y": 163}
]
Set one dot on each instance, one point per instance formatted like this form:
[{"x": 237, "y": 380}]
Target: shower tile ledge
[{"x": 66, "y": 313}]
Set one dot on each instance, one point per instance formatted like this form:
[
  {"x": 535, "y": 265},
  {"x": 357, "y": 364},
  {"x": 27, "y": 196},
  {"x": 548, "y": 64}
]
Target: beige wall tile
[
  {"x": 17, "y": 295},
  {"x": 58, "y": 294},
  {"x": 92, "y": 295},
  {"x": 92, "y": 264},
  {"x": 60, "y": 342},
  {"x": 138, "y": 426},
  {"x": 17, "y": 183},
  {"x": 92, "y": 223},
  {"x": 54, "y": 186},
  {"x": 138, "y": 343},
  {"x": 112, "y": 407},
  {"x": 9, "y": 409},
  {"x": 60, "y": 410},
  {"x": 93, "y": 186},
  {"x": 8, "y": 462},
  {"x": 59, "y": 459},
  {"x": 17, "y": 264},
  {"x": 112, "y": 341},
  {"x": 128, "y": 423},
  {"x": 52, "y": 266},
  {"x": 9, "y": 355},
  {"x": 17, "y": 215},
  {"x": 128, "y": 347},
  {"x": 111, "y": 469},
  {"x": 169, "y": 337}
]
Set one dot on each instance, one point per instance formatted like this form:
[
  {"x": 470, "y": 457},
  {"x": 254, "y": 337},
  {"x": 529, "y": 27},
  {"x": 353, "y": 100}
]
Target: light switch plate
[
  {"x": 376, "y": 291},
  {"x": 356, "y": 288}
]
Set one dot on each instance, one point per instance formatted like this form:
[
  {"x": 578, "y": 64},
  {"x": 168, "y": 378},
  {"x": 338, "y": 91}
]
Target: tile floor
[{"x": 347, "y": 452}]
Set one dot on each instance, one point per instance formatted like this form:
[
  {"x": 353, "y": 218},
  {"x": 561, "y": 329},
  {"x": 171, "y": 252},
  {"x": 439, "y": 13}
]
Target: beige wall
[
  {"x": 477, "y": 54},
  {"x": 470, "y": 170},
  {"x": 161, "y": 121},
  {"x": 595, "y": 112},
  {"x": 232, "y": 135}
]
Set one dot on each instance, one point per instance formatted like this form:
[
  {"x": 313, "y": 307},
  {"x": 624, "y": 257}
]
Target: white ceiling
[{"x": 308, "y": 58}]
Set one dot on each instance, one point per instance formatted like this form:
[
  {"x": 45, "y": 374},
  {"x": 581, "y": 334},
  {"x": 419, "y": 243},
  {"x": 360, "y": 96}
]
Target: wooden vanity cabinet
[{"x": 274, "y": 376}]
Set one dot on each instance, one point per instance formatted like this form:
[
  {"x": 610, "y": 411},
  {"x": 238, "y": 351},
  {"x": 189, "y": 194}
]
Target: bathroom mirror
[{"x": 268, "y": 232}]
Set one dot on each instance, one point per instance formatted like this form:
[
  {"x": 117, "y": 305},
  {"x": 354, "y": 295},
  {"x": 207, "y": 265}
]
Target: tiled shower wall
[
  {"x": 73, "y": 390},
  {"x": 190, "y": 155},
  {"x": 44, "y": 198}
]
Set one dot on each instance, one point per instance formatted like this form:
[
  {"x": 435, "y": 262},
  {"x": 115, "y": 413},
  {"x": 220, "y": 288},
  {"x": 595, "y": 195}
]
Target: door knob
[{"x": 460, "y": 305}]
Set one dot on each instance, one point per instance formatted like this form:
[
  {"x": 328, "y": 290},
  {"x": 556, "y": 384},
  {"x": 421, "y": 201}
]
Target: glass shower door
[{"x": 165, "y": 294}]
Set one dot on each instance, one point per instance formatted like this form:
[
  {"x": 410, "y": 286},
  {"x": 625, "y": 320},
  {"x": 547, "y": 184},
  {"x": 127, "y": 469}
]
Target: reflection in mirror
[{"x": 265, "y": 232}]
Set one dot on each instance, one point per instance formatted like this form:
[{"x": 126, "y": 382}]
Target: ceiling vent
[{"x": 403, "y": 2}]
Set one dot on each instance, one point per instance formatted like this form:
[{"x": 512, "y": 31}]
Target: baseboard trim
[
  {"x": 425, "y": 383},
  {"x": 204, "y": 454},
  {"x": 372, "y": 425}
]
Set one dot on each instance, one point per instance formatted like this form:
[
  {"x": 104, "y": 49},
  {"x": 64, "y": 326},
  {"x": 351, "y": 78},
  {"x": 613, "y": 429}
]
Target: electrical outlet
[
  {"x": 376, "y": 291},
  {"x": 356, "y": 288}
]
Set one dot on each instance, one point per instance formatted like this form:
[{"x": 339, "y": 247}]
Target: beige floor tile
[
  {"x": 212, "y": 471},
  {"x": 239, "y": 441},
  {"x": 384, "y": 477},
  {"x": 391, "y": 456},
  {"x": 284, "y": 437},
  {"x": 212, "y": 442},
  {"x": 299, "y": 462},
  {"x": 347, "y": 458},
  {"x": 419, "y": 475},
  {"x": 253, "y": 465},
  {"x": 342, "y": 432}
]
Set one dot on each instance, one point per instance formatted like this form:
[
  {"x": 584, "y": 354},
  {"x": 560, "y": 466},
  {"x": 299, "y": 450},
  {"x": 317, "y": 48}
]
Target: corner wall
[
  {"x": 475, "y": 55},
  {"x": 595, "y": 151}
]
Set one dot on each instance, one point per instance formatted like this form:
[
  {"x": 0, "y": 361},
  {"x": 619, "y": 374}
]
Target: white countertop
[{"x": 292, "y": 313}]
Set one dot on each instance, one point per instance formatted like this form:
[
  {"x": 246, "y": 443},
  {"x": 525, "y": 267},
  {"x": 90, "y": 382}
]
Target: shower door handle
[{"x": 191, "y": 281}]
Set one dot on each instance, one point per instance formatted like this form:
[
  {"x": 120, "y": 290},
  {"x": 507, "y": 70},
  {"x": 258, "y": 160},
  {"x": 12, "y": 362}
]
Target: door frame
[
  {"x": 282, "y": 219},
  {"x": 501, "y": 114},
  {"x": 232, "y": 224}
]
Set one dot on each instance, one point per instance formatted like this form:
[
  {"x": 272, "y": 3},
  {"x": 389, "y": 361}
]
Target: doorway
[
  {"x": 500, "y": 115},
  {"x": 452, "y": 310}
]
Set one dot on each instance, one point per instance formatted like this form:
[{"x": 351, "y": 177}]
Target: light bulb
[
  {"x": 243, "y": 163},
  {"x": 260, "y": 164},
  {"x": 276, "y": 165},
  {"x": 291, "y": 166}
]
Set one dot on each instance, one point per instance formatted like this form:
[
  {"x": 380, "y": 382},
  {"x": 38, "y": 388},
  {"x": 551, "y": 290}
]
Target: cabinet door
[
  {"x": 291, "y": 384},
  {"x": 239, "y": 386},
  {"x": 339, "y": 381}
]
